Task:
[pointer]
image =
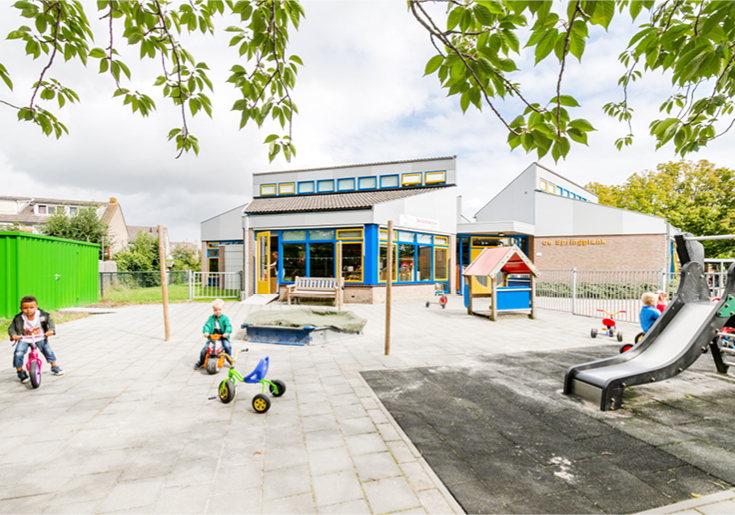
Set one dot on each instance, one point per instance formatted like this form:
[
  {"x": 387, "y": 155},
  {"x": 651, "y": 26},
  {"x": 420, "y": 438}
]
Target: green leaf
[
  {"x": 566, "y": 100},
  {"x": 272, "y": 137},
  {"x": 582, "y": 125},
  {"x": 97, "y": 53},
  {"x": 433, "y": 64}
]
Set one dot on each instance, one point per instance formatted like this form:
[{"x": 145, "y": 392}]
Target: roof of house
[
  {"x": 331, "y": 201},
  {"x": 133, "y": 231},
  {"x": 26, "y": 215},
  {"x": 359, "y": 165},
  {"x": 491, "y": 261}
]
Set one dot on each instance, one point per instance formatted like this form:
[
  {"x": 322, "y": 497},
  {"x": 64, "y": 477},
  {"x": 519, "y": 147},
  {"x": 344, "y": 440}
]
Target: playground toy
[
  {"x": 689, "y": 325},
  {"x": 214, "y": 360},
  {"x": 33, "y": 365},
  {"x": 609, "y": 327},
  {"x": 494, "y": 274},
  {"x": 261, "y": 402},
  {"x": 439, "y": 290}
]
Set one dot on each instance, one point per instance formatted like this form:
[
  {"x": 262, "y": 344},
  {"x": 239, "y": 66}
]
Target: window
[
  {"x": 41, "y": 210},
  {"x": 406, "y": 236},
  {"x": 490, "y": 242},
  {"x": 286, "y": 188},
  {"x": 389, "y": 181},
  {"x": 367, "y": 183},
  {"x": 72, "y": 211},
  {"x": 321, "y": 235},
  {"x": 441, "y": 240},
  {"x": 294, "y": 261},
  {"x": 294, "y": 235},
  {"x": 349, "y": 234},
  {"x": 423, "y": 238},
  {"x": 352, "y": 262},
  {"x": 383, "y": 263},
  {"x": 542, "y": 185},
  {"x": 51, "y": 210},
  {"x": 321, "y": 259},
  {"x": 346, "y": 184},
  {"x": 406, "y": 262},
  {"x": 326, "y": 186},
  {"x": 306, "y": 187},
  {"x": 267, "y": 189},
  {"x": 424, "y": 270},
  {"x": 411, "y": 179},
  {"x": 384, "y": 235},
  {"x": 435, "y": 177},
  {"x": 440, "y": 264}
]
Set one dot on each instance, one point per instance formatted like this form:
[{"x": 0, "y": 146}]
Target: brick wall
[{"x": 630, "y": 252}]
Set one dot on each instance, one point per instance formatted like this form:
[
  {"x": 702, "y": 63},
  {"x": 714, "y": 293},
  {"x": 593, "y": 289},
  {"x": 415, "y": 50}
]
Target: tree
[
  {"x": 140, "y": 256},
  {"x": 60, "y": 28},
  {"x": 84, "y": 225},
  {"x": 186, "y": 258},
  {"x": 695, "y": 197},
  {"x": 476, "y": 43}
]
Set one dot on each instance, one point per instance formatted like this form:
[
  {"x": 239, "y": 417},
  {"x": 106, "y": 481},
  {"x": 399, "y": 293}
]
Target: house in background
[{"x": 133, "y": 231}]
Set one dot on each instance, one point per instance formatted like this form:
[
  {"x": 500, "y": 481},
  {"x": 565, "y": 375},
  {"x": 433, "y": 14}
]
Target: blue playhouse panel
[
  {"x": 514, "y": 298},
  {"x": 280, "y": 335}
]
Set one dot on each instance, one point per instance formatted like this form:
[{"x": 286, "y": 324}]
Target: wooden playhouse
[{"x": 504, "y": 275}]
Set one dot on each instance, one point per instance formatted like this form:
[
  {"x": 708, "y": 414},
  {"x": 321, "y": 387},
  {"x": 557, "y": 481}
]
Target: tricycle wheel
[
  {"x": 227, "y": 391},
  {"x": 427, "y": 303},
  {"x": 212, "y": 367},
  {"x": 639, "y": 337},
  {"x": 444, "y": 305},
  {"x": 620, "y": 337},
  {"x": 261, "y": 403},
  {"x": 625, "y": 347},
  {"x": 35, "y": 373},
  {"x": 280, "y": 388},
  {"x": 593, "y": 333}
]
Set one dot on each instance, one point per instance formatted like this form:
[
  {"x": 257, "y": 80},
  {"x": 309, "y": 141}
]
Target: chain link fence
[{"x": 181, "y": 285}]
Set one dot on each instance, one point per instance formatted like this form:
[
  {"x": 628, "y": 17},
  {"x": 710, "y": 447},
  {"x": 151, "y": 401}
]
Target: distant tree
[
  {"x": 140, "y": 256},
  {"x": 84, "y": 225},
  {"x": 695, "y": 197},
  {"x": 186, "y": 258}
]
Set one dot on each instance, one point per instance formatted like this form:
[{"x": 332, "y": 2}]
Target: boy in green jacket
[{"x": 216, "y": 324}]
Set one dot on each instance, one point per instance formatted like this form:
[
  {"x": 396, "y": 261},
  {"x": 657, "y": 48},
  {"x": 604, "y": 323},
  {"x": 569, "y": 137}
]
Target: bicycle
[
  {"x": 33, "y": 365},
  {"x": 609, "y": 328}
]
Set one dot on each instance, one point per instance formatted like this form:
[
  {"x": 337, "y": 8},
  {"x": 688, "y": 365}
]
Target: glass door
[{"x": 262, "y": 268}]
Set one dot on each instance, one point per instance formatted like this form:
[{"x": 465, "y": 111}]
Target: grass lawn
[
  {"x": 58, "y": 318},
  {"x": 123, "y": 297}
]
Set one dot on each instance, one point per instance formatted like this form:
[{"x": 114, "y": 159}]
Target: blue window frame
[
  {"x": 306, "y": 187},
  {"x": 325, "y": 186},
  {"x": 346, "y": 184},
  {"x": 389, "y": 181},
  {"x": 367, "y": 183}
]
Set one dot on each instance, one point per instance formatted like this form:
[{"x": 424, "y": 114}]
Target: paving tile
[
  {"x": 561, "y": 503},
  {"x": 192, "y": 472},
  {"x": 317, "y": 440},
  {"x": 432, "y": 501},
  {"x": 319, "y": 422},
  {"x": 357, "y": 426},
  {"x": 548, "y": 446},
  {"x": 242, "y": 501},
  {"x": 364, "y": 444},
  {"x": 392, "y": 494},
  {"x": 724, "y": 507},
  {"x": 183, "y": 499},
  {"x": 26, "y": 504},
  {"x": 470, "y": 438},
  {"x": 132, "y": 495},
  {"x": 145, "y": 465},
  {"x": 707, "y": 457},
  {"x": 329, "y": 461},
  {"x": 239, "y": 477},
  {"x": 374, "y": 466},
  {"x": 353, "y": 507},
  {"x": 83, "y": 508},
  {"x": 291, "y": 456},
  {"x": 336, "y": 488},
  {"x": 295, "y": 505},
  {"x": 81, "y": 489},
  {"x": 650, "y": 432},
  {"x": 629, "y": 454},
  {"x": 574, "y": 424},
  {"x": 681, "y": 483},
  {"x": 285, "y": 483}
]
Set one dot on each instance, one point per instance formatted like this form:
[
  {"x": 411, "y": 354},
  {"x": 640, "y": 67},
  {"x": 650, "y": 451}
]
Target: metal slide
[{"x": 682, "y": 333}]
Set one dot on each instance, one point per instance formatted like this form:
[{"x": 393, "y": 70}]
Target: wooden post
[
  {"x": 388, "y": 286},
  {"x": 164, "y": 286},
  {"x": 340, "y": 280}
]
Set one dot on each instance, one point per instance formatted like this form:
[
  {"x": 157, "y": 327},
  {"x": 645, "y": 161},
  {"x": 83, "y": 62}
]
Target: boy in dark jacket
[
  {"x": 216, "y": 324},
  {"x": 32, "y": 325}
]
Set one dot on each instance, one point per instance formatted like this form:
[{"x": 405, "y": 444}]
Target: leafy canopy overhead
[
  {"x": 478, "y": 44},
  {"x": 695, "y": 197}
]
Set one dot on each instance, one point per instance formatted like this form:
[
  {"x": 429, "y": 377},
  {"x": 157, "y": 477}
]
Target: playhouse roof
[{"x": 508, "y": 259}]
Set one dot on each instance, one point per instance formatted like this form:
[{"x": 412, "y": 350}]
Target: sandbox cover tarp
[{"x": 345, "y": 321}]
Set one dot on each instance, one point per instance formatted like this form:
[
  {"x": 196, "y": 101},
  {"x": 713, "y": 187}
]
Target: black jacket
[{"x": 16, "y": 326}]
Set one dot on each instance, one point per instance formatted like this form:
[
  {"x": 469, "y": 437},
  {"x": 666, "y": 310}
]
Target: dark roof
[
  {"x": 331, "y": 201},
  {"x": 359, "y": 165}
]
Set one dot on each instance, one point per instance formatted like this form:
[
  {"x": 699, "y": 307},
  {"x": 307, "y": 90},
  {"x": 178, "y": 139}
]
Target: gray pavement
[{"x": 130, "y": 427}]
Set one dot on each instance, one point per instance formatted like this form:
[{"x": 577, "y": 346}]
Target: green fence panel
[{"x": 59, "y": 273}]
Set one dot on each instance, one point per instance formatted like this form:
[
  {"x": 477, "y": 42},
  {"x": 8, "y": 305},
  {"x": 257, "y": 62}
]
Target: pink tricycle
[{"x": 33, "y": 365}]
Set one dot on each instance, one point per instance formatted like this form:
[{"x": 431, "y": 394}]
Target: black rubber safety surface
[{"x": 503, "y": 438}]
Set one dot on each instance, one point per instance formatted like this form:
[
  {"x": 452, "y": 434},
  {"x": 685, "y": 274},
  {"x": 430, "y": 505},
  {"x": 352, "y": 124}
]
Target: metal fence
[
  {"x": 117, "y": 281},
  {"x": 223, "y": 285},
  {"x": 584, "y": 292}
]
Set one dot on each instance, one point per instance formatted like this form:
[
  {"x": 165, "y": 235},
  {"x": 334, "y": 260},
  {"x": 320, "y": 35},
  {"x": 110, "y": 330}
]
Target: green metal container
[{"x": 59, "y": 273}]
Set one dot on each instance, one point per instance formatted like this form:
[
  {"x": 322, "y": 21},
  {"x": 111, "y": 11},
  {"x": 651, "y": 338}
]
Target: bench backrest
[{"x": 316, "y": 283}]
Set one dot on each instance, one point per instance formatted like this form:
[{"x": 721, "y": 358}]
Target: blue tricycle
[{"x": 261, "y": 402}]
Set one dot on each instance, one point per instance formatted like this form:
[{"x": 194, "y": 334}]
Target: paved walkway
[{"x": 131, "y": 428}]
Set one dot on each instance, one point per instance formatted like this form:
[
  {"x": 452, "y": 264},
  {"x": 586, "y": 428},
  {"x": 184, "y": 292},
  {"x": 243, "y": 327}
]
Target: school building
[{"x": 323, "y": 222}]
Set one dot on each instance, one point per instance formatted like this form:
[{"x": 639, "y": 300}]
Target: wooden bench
[{"x": 316, "y": 287}]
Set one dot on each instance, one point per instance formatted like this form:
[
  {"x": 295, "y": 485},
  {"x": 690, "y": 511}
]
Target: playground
[{"x": 464, "y": 415}]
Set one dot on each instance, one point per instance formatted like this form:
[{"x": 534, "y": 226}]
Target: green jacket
[
  {"x": 16, "y": 326},
  {"x": 224, "y": 325}
]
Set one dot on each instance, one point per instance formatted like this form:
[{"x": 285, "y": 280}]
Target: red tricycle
[
  {"x": 439, "y": 290},
  {"x": 609, "y": 328}
]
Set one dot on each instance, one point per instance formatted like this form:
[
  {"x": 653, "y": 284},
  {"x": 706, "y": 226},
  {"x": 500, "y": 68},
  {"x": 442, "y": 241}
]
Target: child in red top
[{"x": 662, "y": 300}]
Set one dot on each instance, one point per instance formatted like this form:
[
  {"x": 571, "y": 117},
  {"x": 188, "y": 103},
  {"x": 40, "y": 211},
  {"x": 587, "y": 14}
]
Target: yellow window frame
[
  {"x": 446, "y": 266},
  {"x": 282, "y": 187},
  {"x": 438, "y": 241},
  {"x": 362, "y": 260},
  {"x": 384, "y": 235},
  {"x": 411, "y": 179},
  {"x": 542, "y": 184},
  {"x": 267, "y": 190},
  {"x": 350, "y": 237},
  {"x": 435, "y": 177}
]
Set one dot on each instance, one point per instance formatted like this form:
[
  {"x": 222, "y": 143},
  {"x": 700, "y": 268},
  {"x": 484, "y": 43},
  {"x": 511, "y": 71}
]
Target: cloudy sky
[{"x": 362, "y": 98}]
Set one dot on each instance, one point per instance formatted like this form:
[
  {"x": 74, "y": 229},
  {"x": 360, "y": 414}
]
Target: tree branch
[
  {"x": 561, "y": 70},
  {"x": 55, "y": 44}
]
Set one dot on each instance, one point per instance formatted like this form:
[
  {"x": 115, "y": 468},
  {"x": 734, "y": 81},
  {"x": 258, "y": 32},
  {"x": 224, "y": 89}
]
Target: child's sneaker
[
  {"x": 57, "y": 371},
  {"x": 197, "y": 365},
  {"x": 23, "y": 376}
]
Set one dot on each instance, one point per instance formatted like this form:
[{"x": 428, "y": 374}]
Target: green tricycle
[{"x": 261, "y": 402}]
